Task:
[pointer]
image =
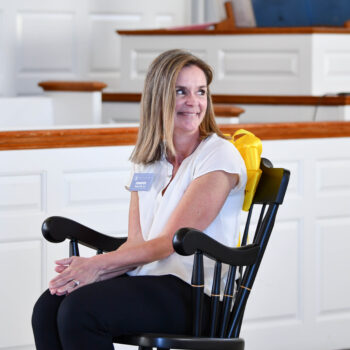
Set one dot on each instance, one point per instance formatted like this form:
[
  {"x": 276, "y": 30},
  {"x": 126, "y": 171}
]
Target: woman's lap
[
  {"x": 134, "y": 304},
  {"x": 117, "y": 306}
]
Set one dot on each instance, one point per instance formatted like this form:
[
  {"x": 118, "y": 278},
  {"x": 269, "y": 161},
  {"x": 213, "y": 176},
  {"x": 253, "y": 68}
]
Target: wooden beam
[
  {"x": 242, "y": 31},
  {"x": 100, "y": 137},
  {"x": 248, "y": 99}
]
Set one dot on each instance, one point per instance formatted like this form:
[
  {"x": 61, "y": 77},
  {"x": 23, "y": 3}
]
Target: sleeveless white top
[{"x": 213, "y": 153}]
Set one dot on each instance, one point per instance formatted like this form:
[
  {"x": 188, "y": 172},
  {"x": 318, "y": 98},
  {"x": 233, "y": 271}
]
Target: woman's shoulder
[
  {"x": 215, "y": 143},
  {"x": 220, "y": 149}
]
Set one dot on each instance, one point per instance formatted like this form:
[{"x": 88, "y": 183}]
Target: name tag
[{"x": 141, "y": 182}]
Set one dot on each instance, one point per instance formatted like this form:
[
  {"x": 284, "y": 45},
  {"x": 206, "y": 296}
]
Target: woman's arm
[{"x": 198, "y": 207}]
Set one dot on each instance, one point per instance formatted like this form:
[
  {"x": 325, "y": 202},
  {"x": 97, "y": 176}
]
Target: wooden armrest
[
  {"x": 187, "y": 240},
  {"x": 56, "y": 229}
]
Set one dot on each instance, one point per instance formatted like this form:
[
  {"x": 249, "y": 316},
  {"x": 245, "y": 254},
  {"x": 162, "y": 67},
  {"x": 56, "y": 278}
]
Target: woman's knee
[
  {"x": 73, "y": 316},
  {"x": 45, "y": 310}
]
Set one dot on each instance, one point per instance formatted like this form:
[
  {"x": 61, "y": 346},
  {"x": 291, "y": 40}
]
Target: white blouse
[{"x": 213, "y": 153}]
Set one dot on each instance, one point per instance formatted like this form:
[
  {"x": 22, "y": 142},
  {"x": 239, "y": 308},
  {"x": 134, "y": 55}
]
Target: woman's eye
[
  {"x": 202, "y": 92},
  {"x": 180, "y": 92}
]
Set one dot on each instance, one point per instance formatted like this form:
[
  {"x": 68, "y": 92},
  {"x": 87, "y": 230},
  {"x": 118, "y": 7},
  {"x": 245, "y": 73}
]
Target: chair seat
[{"x": 181, "y": 342}]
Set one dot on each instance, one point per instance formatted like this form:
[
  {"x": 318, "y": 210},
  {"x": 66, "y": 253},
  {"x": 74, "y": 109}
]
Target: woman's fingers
[
  {"x": 68, "y": 288},
  {"x": 73, "y": 272},
  {"x": 63, "y": 278},
  {"x": 65, "y": 261},
  {"x": 60, "y": 268}
]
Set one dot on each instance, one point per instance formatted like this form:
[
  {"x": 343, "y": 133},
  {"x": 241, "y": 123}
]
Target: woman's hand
[{"x": 74, "y": 272}]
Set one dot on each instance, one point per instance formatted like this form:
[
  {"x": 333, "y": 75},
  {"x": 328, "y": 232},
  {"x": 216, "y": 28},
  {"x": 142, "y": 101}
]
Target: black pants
[{"x": 91, "y": 316}]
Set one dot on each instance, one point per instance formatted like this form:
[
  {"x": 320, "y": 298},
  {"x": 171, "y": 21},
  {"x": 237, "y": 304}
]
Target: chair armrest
[
  {"x": 56, "y": 229},
  {"x": 187, "y": 240}
]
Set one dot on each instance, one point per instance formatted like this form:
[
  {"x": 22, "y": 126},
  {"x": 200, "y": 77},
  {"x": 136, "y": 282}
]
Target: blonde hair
[{"x": 158, "y": 106}]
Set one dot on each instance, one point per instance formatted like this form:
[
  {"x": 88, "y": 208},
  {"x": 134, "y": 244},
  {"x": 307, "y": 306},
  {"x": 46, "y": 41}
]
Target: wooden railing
[
  {"x": 248, "y": 99},
  {"x": 82, "y": 86},
  {"x": 122, "y": 136},
  {"x": 241, "y": 31}
]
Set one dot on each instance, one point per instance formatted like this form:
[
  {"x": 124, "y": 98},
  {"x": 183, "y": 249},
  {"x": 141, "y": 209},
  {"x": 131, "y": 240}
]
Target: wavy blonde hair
[{"x": 158, "y": 106}]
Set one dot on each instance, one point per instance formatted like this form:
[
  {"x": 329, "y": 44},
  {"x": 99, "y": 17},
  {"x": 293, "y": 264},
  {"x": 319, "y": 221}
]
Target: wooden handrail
[
  {"x": 114, "y": 136},
  {"x": 284, "y": 100},
  {"x": 242, "y": 31},
  {"x": 83, "y": 86},
  {"x": 247, "y": 99},
  {"x": 225, "y": 110}
]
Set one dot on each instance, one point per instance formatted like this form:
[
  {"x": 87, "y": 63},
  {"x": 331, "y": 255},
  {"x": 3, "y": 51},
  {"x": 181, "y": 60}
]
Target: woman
[{"x": 185, "y": 174}]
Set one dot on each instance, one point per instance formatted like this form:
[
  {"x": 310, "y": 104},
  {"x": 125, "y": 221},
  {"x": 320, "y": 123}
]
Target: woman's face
[{"x": 191, "y": 99}]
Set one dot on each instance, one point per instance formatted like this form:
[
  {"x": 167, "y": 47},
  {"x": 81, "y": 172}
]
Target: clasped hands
[{"x": 74, "y": 272}]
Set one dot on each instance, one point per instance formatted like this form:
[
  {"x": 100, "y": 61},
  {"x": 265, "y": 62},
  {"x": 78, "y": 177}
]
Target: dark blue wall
[{"x": 296, "y": 13}]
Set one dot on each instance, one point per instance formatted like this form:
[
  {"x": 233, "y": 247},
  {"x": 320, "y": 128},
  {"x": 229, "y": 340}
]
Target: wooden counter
[{"x": 121, "y": 136}]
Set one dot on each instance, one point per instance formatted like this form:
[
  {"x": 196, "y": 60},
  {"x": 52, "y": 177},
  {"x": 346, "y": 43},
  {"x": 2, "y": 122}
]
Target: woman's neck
[{"x": 184, "y": 146}]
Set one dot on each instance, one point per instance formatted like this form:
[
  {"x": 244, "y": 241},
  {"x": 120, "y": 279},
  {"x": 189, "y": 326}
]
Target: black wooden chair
[{"x": 226, "y": 312}]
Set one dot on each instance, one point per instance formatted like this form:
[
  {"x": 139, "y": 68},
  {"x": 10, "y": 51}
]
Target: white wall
[
  {"x": 261, "y": 64},
  {"x": 301, "y": 296},
  {"x": 72, "y": 40}
]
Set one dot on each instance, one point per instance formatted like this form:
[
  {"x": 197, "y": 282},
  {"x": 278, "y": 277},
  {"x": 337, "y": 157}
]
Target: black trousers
[{"x": 91, "y": 316}]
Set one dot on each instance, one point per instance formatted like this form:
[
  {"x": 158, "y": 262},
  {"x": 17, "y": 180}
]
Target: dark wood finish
[
  {"x": 246, "y": 99},
  {"x": 72, "y": 85},
  {"x": 227, "y": 301},
  {"x": 197, "y": 282},
  {"x": 215, "y": 300},
  {"x": 99, "y": 137}
]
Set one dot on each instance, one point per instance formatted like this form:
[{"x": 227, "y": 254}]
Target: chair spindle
[
  {"x": 215, "y": 299},
  {"x": 258, "y": 226},
  {"x": 246, "y": 228},
  {"x": 73, "y": 248},
  {"x": 261, "y": 237},
  {"x": 227, "y": 300},
  {"x": 197, "y": 292},
  {"x": 244, "y": 242}
]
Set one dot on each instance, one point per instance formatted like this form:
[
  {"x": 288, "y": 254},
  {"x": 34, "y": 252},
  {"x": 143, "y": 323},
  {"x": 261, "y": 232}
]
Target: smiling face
[{"x": 191, "y": 100}]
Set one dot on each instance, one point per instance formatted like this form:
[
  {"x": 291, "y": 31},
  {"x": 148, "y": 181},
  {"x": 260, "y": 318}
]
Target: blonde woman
[{"x": 185, "y": 174}]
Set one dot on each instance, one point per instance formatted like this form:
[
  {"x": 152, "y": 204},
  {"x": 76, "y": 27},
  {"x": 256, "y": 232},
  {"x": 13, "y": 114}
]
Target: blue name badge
[{"x": 141, "y": 182}]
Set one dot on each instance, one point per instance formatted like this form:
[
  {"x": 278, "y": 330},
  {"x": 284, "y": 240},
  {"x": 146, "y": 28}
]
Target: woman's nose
[{"x": 191, "y": 99}]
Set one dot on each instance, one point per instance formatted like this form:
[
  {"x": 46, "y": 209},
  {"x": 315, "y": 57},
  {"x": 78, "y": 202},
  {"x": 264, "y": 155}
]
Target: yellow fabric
[{"x": 250, "y": 148}]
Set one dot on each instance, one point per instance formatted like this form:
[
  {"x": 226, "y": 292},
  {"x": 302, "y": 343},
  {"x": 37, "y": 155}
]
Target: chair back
[
  {"x": 269, "y": 196},
  {"x": 227, "y": 315}
]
